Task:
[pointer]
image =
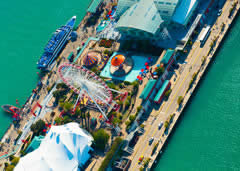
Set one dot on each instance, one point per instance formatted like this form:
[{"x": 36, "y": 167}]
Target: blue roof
[
  {"x": 35, "y": 143},
  {"x": 184, "y": 11},
  {"x": 147, "y": 89},
  {"x": 161, "y": 90},
  {"x": 166, "y": 8},
  {"x": 167, "y": 56}
]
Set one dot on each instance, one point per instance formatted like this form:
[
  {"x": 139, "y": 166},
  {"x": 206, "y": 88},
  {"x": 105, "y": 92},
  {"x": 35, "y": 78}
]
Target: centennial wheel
[{"x": 86, "y": 83}]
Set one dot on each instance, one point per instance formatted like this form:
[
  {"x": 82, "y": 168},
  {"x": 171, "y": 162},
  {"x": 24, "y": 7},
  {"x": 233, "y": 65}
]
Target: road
[{"x": 179, "y": 88}]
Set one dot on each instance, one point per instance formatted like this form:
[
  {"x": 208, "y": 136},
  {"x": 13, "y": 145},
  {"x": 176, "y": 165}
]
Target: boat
[
  {"x": 15, "y": 111},
  {"x": 55, "y": 45},
  {"x": 11, "y": 109}
]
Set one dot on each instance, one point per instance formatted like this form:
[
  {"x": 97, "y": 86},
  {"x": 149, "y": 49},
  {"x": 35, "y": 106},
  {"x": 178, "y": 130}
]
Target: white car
[
  {"x": 219, "y": 12},
  {"x": 151, "y": 140},
  {"x": 160, "y": 125}
]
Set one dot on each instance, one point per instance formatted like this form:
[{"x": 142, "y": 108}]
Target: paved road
[{"x": 179, "y": 88}]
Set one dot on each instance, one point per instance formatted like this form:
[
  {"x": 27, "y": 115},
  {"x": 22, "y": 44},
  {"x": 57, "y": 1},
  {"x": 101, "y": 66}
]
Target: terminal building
[{"x": 150, "y": 19}]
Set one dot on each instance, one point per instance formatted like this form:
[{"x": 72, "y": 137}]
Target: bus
[{"x": 204, "y": 35}]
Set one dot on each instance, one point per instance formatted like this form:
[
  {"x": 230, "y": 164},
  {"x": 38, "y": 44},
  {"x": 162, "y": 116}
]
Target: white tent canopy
[{"x": 64, "y": 148}]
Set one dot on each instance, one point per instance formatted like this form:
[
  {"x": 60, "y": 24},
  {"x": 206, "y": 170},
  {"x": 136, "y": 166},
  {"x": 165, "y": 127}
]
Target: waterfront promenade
[{"x": 180, "y": 88}]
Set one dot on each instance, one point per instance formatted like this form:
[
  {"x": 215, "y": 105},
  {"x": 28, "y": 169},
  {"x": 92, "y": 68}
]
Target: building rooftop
[
  {"x": 142, "y": 16},
  {"x": 93, "y": 6},
  {"x": 65, "y": 147},
  {"x": 167, "y": 56},
  {"x": 184, "y": 11},
  {"x": 35, "y": 143},
  {"x": 161, "y": 90},
  {"x": 147, "y": 89}
]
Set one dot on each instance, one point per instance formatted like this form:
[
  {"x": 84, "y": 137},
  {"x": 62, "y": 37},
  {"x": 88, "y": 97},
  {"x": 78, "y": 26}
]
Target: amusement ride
[{"x": 88, "y": 85}]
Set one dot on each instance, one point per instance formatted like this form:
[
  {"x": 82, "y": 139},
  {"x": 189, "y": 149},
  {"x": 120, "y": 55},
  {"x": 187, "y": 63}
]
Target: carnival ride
[{"x": 88, "y": 85}]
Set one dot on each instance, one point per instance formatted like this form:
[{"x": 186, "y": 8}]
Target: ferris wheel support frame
[
  {"x": 97, "y": 97},
  {"x": 97, "y": 105}
]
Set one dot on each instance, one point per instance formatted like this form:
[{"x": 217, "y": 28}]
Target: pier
[
  {"x": 183, "y": 84},
  {"x": 198, "y": 62}
]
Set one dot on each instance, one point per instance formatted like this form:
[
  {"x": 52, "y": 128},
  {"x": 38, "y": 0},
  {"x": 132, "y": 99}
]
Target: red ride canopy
[{"x": 117, "y": 60}]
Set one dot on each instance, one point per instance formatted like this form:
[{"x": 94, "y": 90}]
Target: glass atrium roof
[
  {"x": 184, "y": 11},
  {"x": 143, "y": 16}
]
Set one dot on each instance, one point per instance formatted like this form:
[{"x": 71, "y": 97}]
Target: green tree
[
  {"x": 61, "y": 85},
  {"x": 66, "y": 119},
  {"x": 67, "y": 107},
  {"x": 78, "y": 112},
  {"x": 139, "y": 108},
  {"x": 116, "y": 121},
  {"x": 120, "y": 103},
  {"x": 180, "y": 100},
  {"x": 94, "y": 69},
  {"x": 128, "y": 98},
  {"x": 58, "y": 94},
  {"x": 135, "y": 84},
  {"x": 160, "y": 70},
  {"x": 127, "y": 103},
  {"x": 127, "y": 123},
  {"x": 135, "y": 87},
  {"x": 101, "y": 138},
  {"x": 132, "y": 118},
  {"x": 37, "y": 128},
  {"x": 15, "y": 161},
  {"x": 58, "y": 120},
  {"x": 9, "y": 168},
  {"x": 168, "y": 93},
  {"x": 166, "y": 124}
]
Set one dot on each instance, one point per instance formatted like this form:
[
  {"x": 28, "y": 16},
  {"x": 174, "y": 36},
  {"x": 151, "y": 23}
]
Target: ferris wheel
[{"x": 87, "y": 84}]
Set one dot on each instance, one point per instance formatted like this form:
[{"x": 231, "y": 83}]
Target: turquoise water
[
  {"x": 139, "y": 63},
  {"x": 25, "y": 29},
  {"x": 208, "y": 135}
]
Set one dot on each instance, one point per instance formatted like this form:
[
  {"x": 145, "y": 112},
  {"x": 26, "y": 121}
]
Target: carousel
[
  {"x": 121, "y": 65},
  {"x": 92, "y": 58}
]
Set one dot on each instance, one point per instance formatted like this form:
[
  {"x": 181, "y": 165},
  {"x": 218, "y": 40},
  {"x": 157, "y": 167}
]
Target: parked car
[
  {"x": 151, "y": 140},
  {"x": 160, "y": 125},
  {"x": 219, "y": 12}
]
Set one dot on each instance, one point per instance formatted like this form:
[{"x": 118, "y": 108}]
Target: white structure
[{"x": 65, "y": 148}]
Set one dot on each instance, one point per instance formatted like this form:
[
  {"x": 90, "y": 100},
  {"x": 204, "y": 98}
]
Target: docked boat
[
  {"x": 11, "y": 109},
  {"x": 55, "y": 45}
]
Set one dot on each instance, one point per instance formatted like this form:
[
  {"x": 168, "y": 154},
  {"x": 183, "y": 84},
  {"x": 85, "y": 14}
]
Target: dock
[{"x": 197, "y": 65}]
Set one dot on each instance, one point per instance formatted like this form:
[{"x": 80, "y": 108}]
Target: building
[
  {"x": 148, "y": 89},
  {"x": 161, "y": 92},
  {"x": 65, "y": 147},
  {"x": 93, "y": 7},
  {"x": 148, "y": 19},
  {"x": 35, "y": 143}
]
